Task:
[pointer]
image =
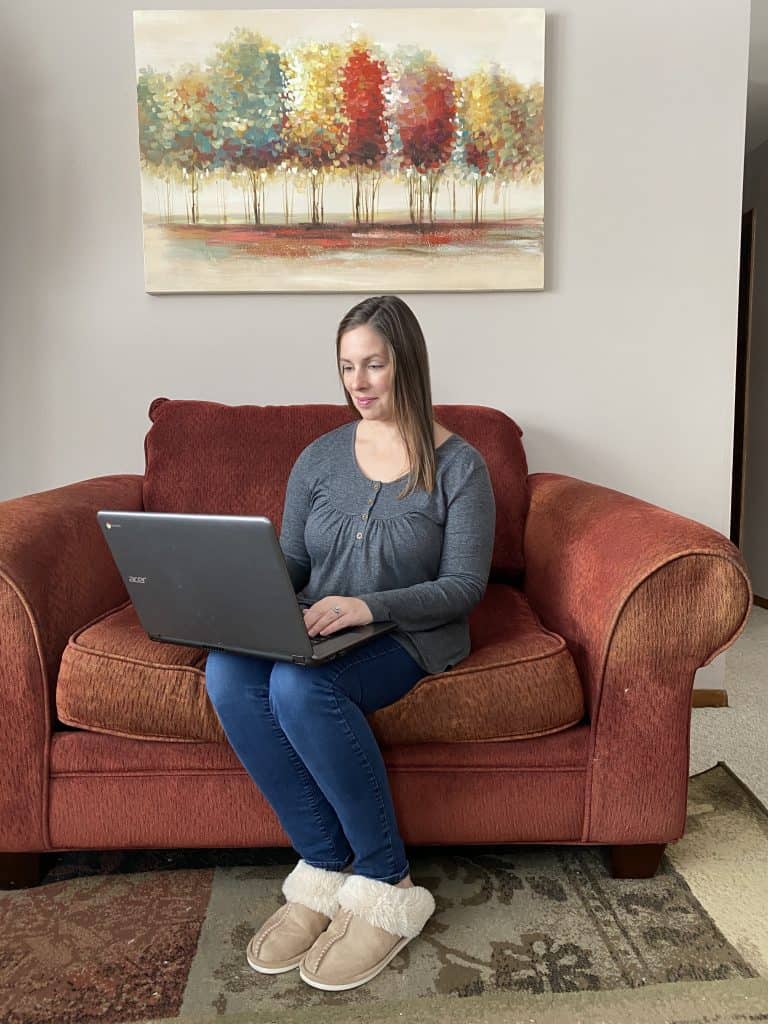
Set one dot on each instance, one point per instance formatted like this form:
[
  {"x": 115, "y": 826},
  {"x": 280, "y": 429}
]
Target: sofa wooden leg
[
  {"x": 22, "y": 870},
  {"x": 636, "y": 861}
]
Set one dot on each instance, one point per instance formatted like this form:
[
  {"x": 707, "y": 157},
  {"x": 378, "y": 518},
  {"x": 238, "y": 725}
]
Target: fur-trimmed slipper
[
  {"x": 285, "y": 937},
  {"x": 375, "y": 920}
]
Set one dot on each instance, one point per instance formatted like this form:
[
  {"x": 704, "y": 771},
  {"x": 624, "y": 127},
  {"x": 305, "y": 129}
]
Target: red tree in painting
[
  {"x": 425, "y": 114},
  {"x": 363, "y": 79}
]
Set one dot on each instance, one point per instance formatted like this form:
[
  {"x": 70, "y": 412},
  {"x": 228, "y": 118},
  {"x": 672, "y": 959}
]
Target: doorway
[{"x": 742, "y": 373}]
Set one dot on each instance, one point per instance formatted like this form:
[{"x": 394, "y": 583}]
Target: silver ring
[{"x": 335, "y": 608}]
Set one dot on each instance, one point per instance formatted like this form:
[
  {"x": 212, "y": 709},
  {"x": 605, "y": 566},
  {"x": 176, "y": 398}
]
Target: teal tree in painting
[
  {"x": 249, "y": 97},
  {"x": 156, "y": 131}
]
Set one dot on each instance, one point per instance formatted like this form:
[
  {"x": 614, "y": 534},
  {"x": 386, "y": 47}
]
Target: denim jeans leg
[
  {"x": 238, "y": 688},
  {"x": 322, "y": 711}
]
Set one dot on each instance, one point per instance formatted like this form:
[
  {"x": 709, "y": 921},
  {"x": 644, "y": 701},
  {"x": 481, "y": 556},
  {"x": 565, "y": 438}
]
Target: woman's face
[{"x": 367, "y": 372}]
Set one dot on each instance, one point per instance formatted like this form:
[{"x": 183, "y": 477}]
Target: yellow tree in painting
[
  {"x": 501, "y": 130},
  {"x": 316, "y": 130},
  {"x": 483, "y": 100},
  {"x": 530, "y": 125}
]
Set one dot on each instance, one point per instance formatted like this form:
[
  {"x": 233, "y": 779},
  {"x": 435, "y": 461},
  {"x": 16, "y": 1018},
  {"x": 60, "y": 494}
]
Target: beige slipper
[
  {"x": 286, "y": 935},
  {"x": 374, "y": 922}
]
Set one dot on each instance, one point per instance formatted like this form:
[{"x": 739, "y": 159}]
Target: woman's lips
[{"x": 365, "y": 401}]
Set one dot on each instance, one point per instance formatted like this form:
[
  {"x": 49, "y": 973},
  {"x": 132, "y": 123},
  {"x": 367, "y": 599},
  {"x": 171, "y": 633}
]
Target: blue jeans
[{"x": 302, "y": 736}]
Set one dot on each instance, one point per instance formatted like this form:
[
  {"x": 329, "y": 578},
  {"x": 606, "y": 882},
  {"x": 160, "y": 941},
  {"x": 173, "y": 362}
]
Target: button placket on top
[{"x": 364, "y": 515}]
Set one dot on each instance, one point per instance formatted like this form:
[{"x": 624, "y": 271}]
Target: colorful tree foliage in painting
[
  {"x": 249, "y": 95},
  {"x": 328, "y": 111},
  {"x": 364, "y": 79}
]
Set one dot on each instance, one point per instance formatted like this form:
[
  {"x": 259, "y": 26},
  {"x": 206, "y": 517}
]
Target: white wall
[
  {"x": 754, "y": 541},
  {"x": 620, "y": 372}
]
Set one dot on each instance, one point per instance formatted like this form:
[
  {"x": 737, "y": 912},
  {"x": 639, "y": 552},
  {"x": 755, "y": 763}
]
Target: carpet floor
[{"x": 529, "y": 933}]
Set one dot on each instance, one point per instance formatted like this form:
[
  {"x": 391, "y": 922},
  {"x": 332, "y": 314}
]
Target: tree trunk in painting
[
  {"x": 255, "y": 197},
  {"x": 194, "y": 196},
  {"x": 356, "y": 209}
]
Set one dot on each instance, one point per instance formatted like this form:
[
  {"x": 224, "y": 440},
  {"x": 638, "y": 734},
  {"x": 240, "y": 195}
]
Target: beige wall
[
  {"x": 754, "y": 542},
  {"x": 620, "y": 372}
]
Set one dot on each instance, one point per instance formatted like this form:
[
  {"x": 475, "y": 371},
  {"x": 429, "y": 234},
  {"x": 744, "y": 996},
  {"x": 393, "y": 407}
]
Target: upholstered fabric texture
[
  {"x": 519, "y": 681},
  {"x": 110, "y": 791},
  {"x": 645, "y": 597},
  {"x": 587, "y": 548},
  {"x": 55, "y": 574}
]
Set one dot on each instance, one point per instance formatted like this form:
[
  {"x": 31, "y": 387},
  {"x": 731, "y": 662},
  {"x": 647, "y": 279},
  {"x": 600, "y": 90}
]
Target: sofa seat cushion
[
  {"x": 114, "y": 679},
  {"x": 519, "y": 681}
]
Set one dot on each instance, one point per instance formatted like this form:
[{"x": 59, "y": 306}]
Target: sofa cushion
[
  {"x": 519, "y": 681},
  {"x": 205, "y": 457}
]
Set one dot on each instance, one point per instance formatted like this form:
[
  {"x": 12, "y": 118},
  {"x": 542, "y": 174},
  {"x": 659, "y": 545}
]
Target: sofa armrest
[
  {"x": 643, "y": 597},
  {"x": 56, "y": 574}
]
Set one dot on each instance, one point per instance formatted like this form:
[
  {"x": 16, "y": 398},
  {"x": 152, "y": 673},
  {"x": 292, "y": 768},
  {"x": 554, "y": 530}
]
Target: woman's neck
[{"x": 379, "y": 431}]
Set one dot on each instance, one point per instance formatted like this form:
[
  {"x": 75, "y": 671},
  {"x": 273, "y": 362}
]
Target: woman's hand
[{"x": 321, "y": 617}]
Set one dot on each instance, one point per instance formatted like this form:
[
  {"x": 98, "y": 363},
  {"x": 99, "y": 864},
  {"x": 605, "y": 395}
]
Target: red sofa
[{"x": 568, "y": 723}]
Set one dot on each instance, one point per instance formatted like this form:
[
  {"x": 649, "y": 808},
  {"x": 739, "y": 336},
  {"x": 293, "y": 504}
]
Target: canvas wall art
[{"x": 393, "y": 150}]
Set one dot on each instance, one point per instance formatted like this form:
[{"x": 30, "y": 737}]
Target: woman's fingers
[
  {"x": 332, "y": 620},
  {"x": 322, "y": 618},
  {"x": 325, "y": 619}
]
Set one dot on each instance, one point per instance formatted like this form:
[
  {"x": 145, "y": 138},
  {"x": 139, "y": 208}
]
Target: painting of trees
[
  {"x": 306, "y": 138},
  {"x": 326, "y": 110}
]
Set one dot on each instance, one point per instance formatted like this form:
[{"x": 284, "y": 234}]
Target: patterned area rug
[{"x": 160, "y": 935}]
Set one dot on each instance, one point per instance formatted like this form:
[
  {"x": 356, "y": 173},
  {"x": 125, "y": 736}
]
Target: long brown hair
[{"x": 396, "y": 323}]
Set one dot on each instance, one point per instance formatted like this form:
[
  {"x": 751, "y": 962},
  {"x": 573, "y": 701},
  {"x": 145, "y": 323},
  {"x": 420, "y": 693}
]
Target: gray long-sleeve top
[{"x": 421, "y": 562}]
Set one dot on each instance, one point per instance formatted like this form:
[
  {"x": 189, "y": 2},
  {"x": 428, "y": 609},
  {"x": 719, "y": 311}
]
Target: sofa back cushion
[{"x": 205, "y": 457}]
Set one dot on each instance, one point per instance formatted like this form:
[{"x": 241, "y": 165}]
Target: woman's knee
[
  {"x": 218, "y": 675},
  {"x": 229, "y": 675},
  {"x": 291, "y": 689}
]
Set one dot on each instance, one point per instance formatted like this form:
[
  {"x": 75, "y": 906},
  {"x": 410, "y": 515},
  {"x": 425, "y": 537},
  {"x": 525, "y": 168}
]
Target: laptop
[{"x": 218, "y": 582}]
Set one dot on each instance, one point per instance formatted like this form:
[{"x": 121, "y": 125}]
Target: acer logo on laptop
[{"x": 137, "y": 579}]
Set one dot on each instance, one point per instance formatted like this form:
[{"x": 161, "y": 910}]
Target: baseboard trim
[{"x": 709, "y": 698}]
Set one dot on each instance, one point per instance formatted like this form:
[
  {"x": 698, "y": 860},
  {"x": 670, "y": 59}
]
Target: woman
[{"x": 390, "y": 517}]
